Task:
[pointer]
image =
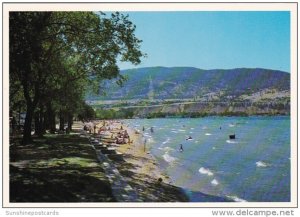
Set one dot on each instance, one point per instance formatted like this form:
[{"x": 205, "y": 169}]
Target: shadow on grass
[{"x": 57, "y": 168}]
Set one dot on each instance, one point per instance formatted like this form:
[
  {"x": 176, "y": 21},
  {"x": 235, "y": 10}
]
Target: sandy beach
[
  {"x": 140, "y": 168},
  {"x": 145, "y": 162}
]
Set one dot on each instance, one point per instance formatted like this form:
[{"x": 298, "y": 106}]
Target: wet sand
[
  {"x": 140, "y": 168},
  {"x": 142, "y": 158}
]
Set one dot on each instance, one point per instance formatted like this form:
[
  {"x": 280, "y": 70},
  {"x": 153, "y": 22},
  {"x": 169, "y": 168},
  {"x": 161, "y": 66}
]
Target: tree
[
  {"x": 51, "y": 49},
  {"x": 86, "y": 112}
]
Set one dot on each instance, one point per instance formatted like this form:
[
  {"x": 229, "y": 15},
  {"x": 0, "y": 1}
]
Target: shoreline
[
  {"x": 140, "y": 168},
  {"x": 149, "y": 164},
  {"x": 204, "y": 116}
]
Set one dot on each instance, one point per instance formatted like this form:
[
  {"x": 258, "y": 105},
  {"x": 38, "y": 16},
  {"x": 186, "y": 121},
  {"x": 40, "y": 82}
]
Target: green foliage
[
  {"x": 235, "y": 113},
  {"x": 177, "y": 115},
  {"x": 113, "y": 114},
  {"x": 56, "y": 56},
  {"x": 106, "y": 114},
  {"x": 86, "y": 112},
  {"x": 156, "y": 115}
]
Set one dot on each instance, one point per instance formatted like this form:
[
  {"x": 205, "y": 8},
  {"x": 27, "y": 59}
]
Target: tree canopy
[{"x": 56, "y": 56}]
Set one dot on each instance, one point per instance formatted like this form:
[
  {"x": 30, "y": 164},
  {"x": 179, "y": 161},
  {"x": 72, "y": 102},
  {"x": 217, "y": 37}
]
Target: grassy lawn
[{"x": 57, "y": 168}]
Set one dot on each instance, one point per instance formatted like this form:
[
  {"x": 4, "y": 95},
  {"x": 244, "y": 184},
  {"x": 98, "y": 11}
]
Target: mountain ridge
[{"x": 161, "y": 82}]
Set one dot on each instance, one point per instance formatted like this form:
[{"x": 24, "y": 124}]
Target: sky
[{"x": 214, "y": 40}]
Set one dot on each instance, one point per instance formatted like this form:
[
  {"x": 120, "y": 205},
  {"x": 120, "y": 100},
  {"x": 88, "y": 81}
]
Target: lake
[{"x": 254, "y": 167}]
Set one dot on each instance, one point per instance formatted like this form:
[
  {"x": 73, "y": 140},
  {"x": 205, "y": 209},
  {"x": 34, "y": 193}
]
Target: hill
[
  {"x": 161, "y": 83},
  {"x": 185, "y": 91}
]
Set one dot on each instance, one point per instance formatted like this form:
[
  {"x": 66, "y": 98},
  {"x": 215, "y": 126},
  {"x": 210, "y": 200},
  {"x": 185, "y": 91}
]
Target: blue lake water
[{"x": 253, "y": 167}]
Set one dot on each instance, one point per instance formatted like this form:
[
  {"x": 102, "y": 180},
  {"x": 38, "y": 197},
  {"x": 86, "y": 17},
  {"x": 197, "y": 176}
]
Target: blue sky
[{"x": 214, "y": 40}]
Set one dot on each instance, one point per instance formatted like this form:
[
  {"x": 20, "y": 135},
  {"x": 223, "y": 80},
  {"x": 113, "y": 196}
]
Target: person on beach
[
  {"x": 125, "y": 134},
  {"x": 143, "y": 128},
  {"x": 181, "y": 148},
  {"x": 145, "y": 141},
  {"x": 129, "y": 139},
  {"x": 159, "y": 181},
  {"x": 152, "y": 130}
]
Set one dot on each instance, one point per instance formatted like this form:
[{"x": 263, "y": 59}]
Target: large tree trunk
[
  {"x": 52, "y": 124},
  {"x": 70, "y": 122},
  {"x": 42, "y": 121},
  {"x": 61, "y": 120},
  {"x": 27, "y": 125},
  {"x": 39, "y": 123},
  {"x": 50, "y": 120},
  {"x": 36, "y": 124},
  {"x": 45, "y": 122},
  {"x": 30, "y": 107}
]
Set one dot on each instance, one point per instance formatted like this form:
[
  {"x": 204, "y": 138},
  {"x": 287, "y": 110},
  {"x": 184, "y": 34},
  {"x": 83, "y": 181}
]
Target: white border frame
[{"x": 151, "y": 6}]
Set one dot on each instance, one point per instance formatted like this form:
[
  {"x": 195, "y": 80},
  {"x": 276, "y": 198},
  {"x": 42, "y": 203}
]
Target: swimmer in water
[
  {"x": 181, "y": 148},
  {"x": 189, "y": 138}
]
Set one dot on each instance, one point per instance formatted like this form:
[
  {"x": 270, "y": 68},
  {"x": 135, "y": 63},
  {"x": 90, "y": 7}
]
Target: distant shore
[
  {"x": 192, "y": 109},
  {"x": 153, "y": 116}
]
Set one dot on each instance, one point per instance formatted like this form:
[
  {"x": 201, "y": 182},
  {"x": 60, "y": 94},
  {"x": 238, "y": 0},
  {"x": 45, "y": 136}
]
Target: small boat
[{"x": 232, "y": 136}]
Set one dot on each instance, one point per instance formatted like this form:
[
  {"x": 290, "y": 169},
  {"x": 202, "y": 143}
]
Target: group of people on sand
[
  {"x": 123, "y": 137},
  {"x": 91, "y": 127},
  {"x": 88, "y": 128}
]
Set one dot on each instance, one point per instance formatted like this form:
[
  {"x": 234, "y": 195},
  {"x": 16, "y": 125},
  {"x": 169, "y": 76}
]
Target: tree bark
[
  {"x": 45, "y": 122},
  {"x": 61, "y": 120},
  {"x": 41, "y": 121},
  {"x": 36, "y": 124},
  {"x": 50, "y": 120},
  {"x": 27, "y": 125},
  {"x": 52, "y": 124},
  {"x": 70, "y": 122},
  {"x": 30, "y": 107}
]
